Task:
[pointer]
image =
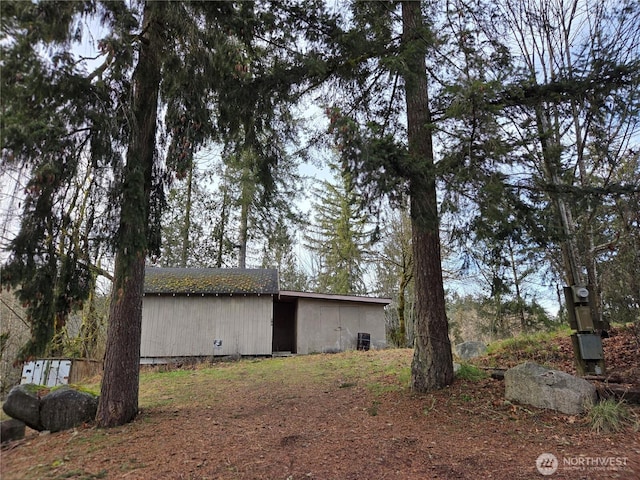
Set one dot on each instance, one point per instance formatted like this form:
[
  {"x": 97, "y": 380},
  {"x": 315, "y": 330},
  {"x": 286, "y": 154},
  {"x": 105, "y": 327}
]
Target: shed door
[{"x": 284, "y": 327}]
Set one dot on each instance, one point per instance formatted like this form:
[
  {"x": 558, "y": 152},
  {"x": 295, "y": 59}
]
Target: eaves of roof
[{"x": 286, "y": 294}]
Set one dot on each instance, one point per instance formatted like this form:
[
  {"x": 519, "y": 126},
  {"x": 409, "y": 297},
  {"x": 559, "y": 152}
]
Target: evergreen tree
[
  {"x": 575, "y": 111},
  {"x": 396, "y": 163},
  {"x": 279, "y": 252},
  {"x": 57, "y": 125},
  {"x": 177, "y": 58},
  {"x": 338, "y": 237},
  {"x": 541, "y": 187}
]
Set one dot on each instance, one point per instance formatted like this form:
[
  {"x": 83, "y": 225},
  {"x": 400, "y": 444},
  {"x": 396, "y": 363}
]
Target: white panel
[
  {"x": 39, "y": 372},
  {"x": 188, "y": 326},
  {"x": 28, "y": 370},
  {"x": 325, "y": 325},
  {"x": 46, "y": 372},
  {"x": 58, "y": 372},
  {"x": 350, "y": 326}
]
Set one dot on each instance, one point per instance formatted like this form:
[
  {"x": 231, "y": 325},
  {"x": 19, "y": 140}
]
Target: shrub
[
  {"x": 471, "y": 373},
  {"x": 609, "y": 416}
]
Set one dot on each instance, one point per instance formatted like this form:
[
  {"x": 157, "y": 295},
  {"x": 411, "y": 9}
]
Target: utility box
[
  {"x": 577, "y": 300},
  {"x": 51, "y": 372},
  {"x": 583, "y": 318},
  {"x": 579, "y": 294},
  {"x": 590, "y": 346},
  {"x": 587, "y": 342},
  {"x": 588, "y": 353}
]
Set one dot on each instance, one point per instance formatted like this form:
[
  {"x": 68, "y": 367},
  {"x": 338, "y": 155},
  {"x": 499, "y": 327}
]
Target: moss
[
  {"x": 39, "y": 390},
  {"x": 42, "y": 390},
  {"x": 211, "y": 280}
]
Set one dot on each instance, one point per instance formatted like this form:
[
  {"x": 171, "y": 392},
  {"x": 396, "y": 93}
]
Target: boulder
[
  {"x": 469, "y": 350},
  {"x": 23, "y": 403},
  {"x": 66, "y": 408},
  {"x": 60, "y": 409},
  {"x": 11, "y": 429},
  {"x": 538, "y": 386}
]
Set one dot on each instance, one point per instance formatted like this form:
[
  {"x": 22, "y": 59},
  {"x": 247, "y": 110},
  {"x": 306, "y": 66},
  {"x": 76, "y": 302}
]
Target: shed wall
[
  {"x": 325, "y": 326},
  {"x": 184, "y": 326}
]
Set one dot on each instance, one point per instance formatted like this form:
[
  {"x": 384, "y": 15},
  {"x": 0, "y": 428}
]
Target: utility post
[{"x": 587, "y": 341}]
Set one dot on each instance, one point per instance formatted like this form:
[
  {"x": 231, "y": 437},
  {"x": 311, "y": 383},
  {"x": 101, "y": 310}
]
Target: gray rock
[
  {"x": 66, "y": 408},
  {"x": 541, "y": 387},
  {"x": 469, "y": 350},
  {"x": 11, "y": 429},
  {"x": 23, "y": 403}
]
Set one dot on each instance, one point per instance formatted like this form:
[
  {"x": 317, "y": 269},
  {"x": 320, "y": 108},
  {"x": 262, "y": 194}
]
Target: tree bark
[
  {"x": 402, "y": 322},
  {"x": 245, "y": 201},
  {"x": 186, "y": 225},
  {"x": 432, "y": 365},
  {"x": 120, "y": 383},
  {"x": 224, "y": 215}
]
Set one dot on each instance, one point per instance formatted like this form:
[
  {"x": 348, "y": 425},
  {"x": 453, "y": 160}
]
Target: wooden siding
[
  {"x": 184, "y": 326},
  {"x": 325, "y": 326}
]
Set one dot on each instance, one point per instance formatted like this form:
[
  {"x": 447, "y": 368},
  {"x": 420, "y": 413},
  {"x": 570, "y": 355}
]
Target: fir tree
[
  {"x": 339, "y": 237},
  {"x": 184, "y": 60}
]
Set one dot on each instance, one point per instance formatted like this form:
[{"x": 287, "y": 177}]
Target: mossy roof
[{"x": 224, "y": 281}]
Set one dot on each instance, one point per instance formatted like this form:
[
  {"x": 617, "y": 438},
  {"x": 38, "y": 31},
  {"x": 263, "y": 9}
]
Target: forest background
[{"x": 529, "y": 111}]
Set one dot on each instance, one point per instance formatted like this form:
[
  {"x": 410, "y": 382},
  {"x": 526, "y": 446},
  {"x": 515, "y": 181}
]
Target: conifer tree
[
  {"x": 338, "y": 236},
  {"x": 184, "y": 60},
  {"x": 391, "y": 76}
]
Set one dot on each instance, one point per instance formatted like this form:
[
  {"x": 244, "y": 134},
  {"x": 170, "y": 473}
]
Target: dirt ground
[{"x": 330, "y": 427}]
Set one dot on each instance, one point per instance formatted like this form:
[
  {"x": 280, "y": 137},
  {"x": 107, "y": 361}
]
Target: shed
[{"x": 203, "y": 312}]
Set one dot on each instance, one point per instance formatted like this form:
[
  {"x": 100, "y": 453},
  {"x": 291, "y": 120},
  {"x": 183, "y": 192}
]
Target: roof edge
[{"x": 331, "y": 296}]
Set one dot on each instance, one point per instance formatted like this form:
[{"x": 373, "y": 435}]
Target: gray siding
[
  {"x": 325, "y": 326},
  {"x": 184, "y": 326}
]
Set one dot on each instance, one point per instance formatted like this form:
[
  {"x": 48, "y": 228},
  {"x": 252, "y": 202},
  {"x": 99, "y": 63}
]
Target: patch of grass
[
  {"x": 90, "y": 389},
  {"x": 529, "y": 343},
  {"x": 609, "y": 416},
  {"x": 379, "y": 388},
  {"x": 36, "y": 389},
  {"x": 389, "y": 378},
  {"x": 93, "y": 441},
  {"x": 542, "y": 347},
  {"x": 470, "y": 373},
  {"x": 404, "y": 377}
]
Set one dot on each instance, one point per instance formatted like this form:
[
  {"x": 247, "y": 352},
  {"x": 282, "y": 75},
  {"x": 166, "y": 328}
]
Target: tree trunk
[
  {"x": 224, "y": 215},
  {"x": 432, "y": 365},
  {"x": 186, "y": 225},
  {"x": 89, "y": 327},
  {"x": 246, "y": 199},
  {"x": 517, "y": 285},
  {"x": 402, "y": 322},
  {"x": 119, "y": 393},
  {"x": 551, "y": 151},
  {"x": 244, "y": 228}
]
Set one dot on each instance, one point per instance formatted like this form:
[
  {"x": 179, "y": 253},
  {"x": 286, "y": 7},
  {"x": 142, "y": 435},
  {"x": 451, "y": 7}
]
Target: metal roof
[
  {"x": 224, "y": 281},
  {"x": 287, "y": 294}
]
